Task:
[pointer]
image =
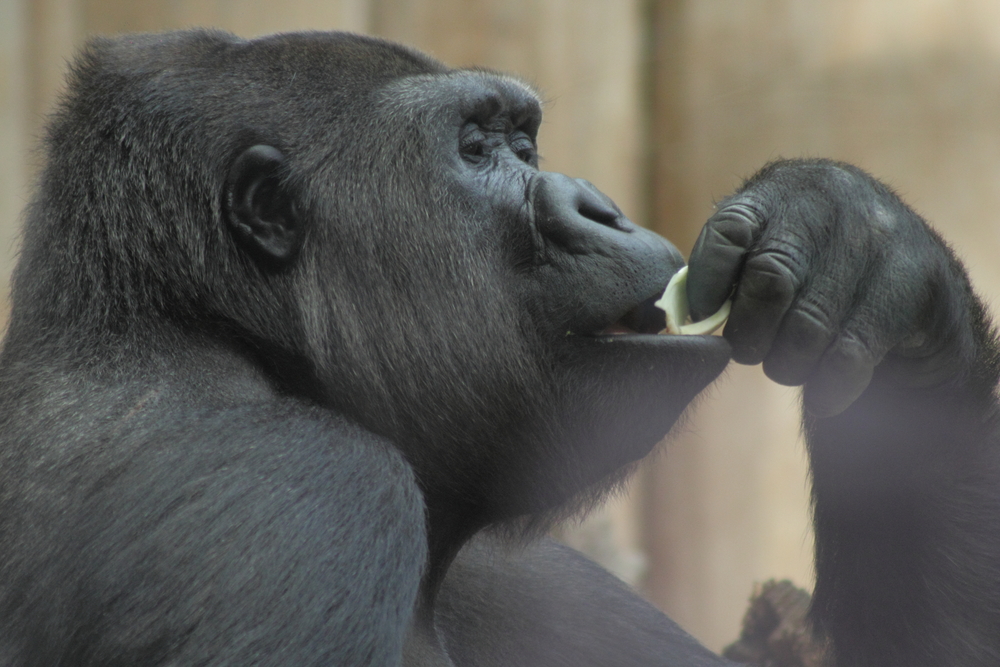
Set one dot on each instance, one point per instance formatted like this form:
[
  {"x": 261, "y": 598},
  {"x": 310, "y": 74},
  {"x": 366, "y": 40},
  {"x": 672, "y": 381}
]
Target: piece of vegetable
[{"x": 674, "y": 303}]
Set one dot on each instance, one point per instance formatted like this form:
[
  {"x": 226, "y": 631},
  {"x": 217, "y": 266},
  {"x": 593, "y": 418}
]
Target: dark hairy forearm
[{"x": 907, "y": 510}]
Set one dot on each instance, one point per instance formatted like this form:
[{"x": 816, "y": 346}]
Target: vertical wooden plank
[
  {"x": 728, "y": 504},
  {"x": 38, "y": 39},
  {"x": 56, "y": 30},
  {"x": 247, "y": 18},
  {"x": 105, "y": 17},
  {"x": 15, "y": 111},
  {"x": 585, "y": 57}
]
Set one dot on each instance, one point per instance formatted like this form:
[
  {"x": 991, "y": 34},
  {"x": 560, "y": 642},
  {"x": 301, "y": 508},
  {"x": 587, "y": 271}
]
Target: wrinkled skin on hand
[{"x": 833, "y": 276}]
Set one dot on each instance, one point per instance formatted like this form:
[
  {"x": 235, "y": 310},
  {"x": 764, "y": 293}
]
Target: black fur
[{"x": 296, "y": 319}]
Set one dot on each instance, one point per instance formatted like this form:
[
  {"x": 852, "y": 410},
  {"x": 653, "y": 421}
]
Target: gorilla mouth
[
  {"x": 669, "y": 314},
  {"x": 643, "y": 318}
]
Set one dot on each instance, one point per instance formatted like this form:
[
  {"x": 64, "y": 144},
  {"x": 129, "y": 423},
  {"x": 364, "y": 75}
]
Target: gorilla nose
[{"x": 574, "y": 214}]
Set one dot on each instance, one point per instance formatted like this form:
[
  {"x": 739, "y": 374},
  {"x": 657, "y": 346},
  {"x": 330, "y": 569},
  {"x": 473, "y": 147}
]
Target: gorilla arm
[
  {"x": 546, "y": 604},
  {"x": 840, "y": 287},
  {"x": 268, "y": 532}
]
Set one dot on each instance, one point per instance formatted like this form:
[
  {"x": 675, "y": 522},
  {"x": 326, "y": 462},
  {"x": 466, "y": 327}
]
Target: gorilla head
[{"x": 374, "y": 229}]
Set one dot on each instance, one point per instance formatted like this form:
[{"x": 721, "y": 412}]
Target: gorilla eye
[
  {"x": 472, "y": 143},
  {"x": 524, "y": 147}
]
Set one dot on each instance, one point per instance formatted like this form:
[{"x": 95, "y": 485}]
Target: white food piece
[{"x": 674, "y": 303}]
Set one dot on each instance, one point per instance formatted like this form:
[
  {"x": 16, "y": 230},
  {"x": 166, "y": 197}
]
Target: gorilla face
[{"x": 504, "y": 314}]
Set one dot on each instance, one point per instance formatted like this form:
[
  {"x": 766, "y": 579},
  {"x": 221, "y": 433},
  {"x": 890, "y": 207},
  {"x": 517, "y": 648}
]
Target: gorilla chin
[{"x": 624, "y": 392}]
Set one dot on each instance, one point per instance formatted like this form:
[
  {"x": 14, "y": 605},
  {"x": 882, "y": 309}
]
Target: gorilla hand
[
  {"x": 833, "y": 275},
  {"x": 837, "y": 285}
]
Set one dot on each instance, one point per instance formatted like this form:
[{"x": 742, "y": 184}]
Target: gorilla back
[{"x": 294, "y": 319}]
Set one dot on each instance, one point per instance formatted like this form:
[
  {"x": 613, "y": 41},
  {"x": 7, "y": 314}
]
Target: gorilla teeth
[{"x": 674, "y": 303}]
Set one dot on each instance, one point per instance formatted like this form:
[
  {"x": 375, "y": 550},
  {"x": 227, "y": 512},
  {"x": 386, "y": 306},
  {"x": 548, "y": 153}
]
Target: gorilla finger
[
  {"x": 766, "y": 290},
  {"x": 842, "y": 376},
  {"x": 717, "y": 257},
  {"x": 804, "y": 335}
]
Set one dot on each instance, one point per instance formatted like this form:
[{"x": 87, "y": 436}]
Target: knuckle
[
  {"x": 799, "y": 345},
  {"x": 727, "y": 234},
  {"x": 736, "y": 223},
  {"x": 771, "y": 276},
  {"x": 843, "y": 374},
  {"x": 783, "y": 371},
  {"x": 806, "y": 326}
]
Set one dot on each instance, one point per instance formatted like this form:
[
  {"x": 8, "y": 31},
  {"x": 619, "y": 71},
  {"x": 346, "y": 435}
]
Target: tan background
[{"x": 665, "y": 105}]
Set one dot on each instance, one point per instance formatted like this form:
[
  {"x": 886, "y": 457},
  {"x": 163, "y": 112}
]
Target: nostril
[
  {"x": 602, "y": 214},
  {"x": 573, "y": 213}
]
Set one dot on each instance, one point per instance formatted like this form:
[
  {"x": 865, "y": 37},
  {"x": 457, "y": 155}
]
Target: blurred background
[{"x": 665, "y": 105}]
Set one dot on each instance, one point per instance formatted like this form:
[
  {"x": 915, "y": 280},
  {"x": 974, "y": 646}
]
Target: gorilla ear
[{"x": 258, "y": 207}]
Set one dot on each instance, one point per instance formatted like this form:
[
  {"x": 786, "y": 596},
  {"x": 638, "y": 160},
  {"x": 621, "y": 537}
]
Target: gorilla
[{"x": 306, "y": 353}]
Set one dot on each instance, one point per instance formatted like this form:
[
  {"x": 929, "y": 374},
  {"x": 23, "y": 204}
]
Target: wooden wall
[{"x": 665, "y": 105}]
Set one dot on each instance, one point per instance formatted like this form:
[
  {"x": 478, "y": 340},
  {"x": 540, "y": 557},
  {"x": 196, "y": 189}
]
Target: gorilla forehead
[
  {"x": 295, "y": 82},
  {"x": 475, "y": 94}
]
